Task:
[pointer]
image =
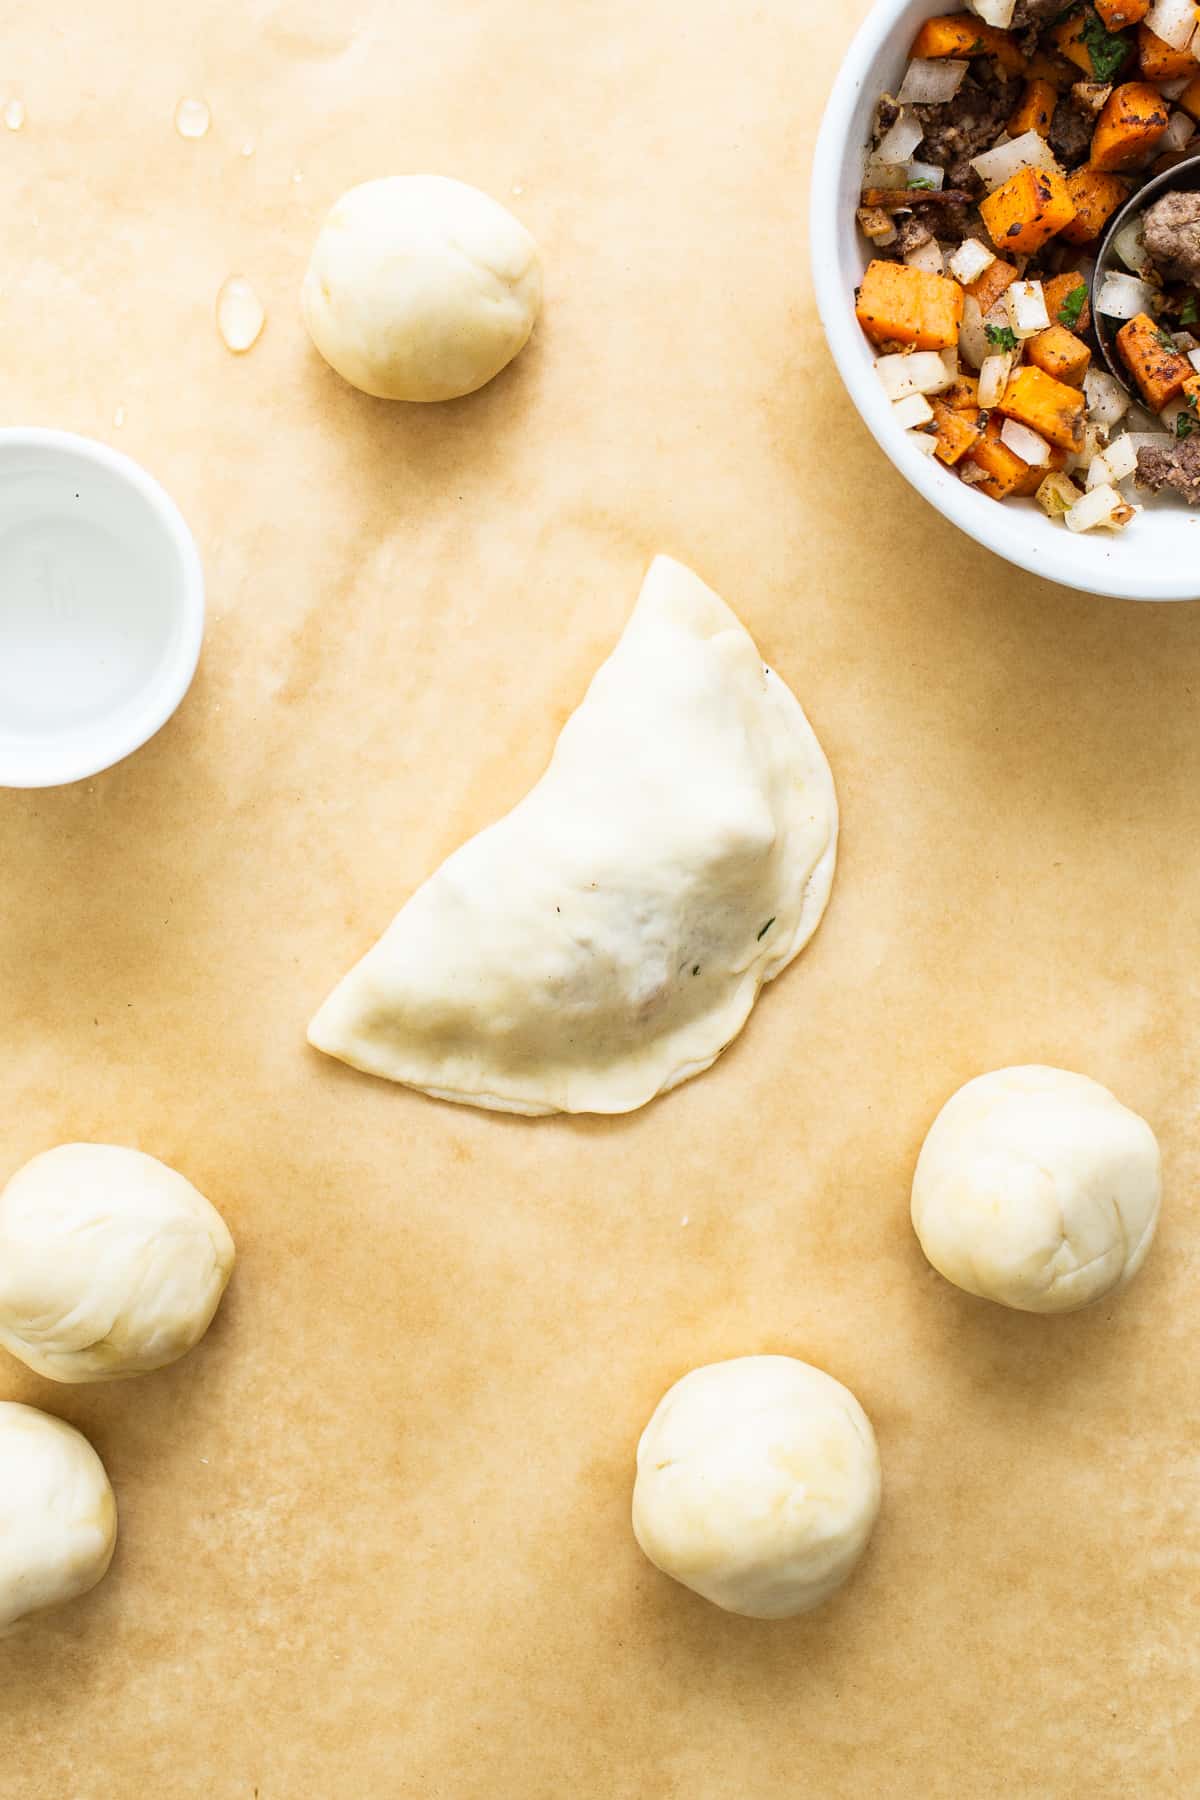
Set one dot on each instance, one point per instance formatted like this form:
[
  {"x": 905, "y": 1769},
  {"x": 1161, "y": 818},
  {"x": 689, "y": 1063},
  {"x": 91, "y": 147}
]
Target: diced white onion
[
  {"x": 1107, "y": 401},
  {"x": 1179, "y": 133},
  {"x": 1123, "y": 296},
  {"x": 1029, "y": 445},
  {"x": 1194, "y": 359},
  {"x": 1148, "y": 440},
  {"x": 1170, "y": 414},
  {"x": 882, "y": 175},
  {"x": 898, "y": 144},
  {"x": 970, "y": 473},
  {"x": 919, "y": 372},
  {"x": 1174, "y": 21},
  {"x": 970, "y": 260},
  {"x": 1130, "y": 246},
  {"x": 1121, "y": 458},
  {"x": 924, "y": 441},
  {"x": 1092, "y": 445},
  {"x": 998, "y": 165},
  {"x": 950, "y": 363},
  {"x": 1171, "y": 90},
  {"x": 993, "y": 377},
  {"x": 926, "y": 257},
  {"x": 995, "y": 12},
  {"x": 931, "y": 81},
  {"x": 1185, "y": 341},
  {"x": 911, "y": 412},
  {"x": 1025, "y": 304},
  {"x": 930, "y": 173},
  {"x": 1097, "y": 508},
  {"x": 972, "y": 338},
  {"x": 876, "y": 224},
  {"x": 1057, "y": 495}
]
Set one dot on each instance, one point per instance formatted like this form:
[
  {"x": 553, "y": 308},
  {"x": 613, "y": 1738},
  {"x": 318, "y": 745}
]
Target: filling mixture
[{"x": 1020, "y": 129}]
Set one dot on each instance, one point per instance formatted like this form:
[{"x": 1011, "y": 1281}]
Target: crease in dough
[{"x": 607, "y": 938}]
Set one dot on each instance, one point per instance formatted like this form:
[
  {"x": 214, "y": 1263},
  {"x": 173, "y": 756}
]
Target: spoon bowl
[{"x": 1185, "y": 177}]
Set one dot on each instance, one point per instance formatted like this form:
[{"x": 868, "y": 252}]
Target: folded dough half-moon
[{"x": 607, "y": 938}]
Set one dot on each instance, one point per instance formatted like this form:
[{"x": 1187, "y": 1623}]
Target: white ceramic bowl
[
  {"x": 101, "y": 607},
  {"x": 1157, "y": 557}
]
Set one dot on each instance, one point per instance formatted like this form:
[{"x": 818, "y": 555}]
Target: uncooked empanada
[{"x": 608, "y": 937}]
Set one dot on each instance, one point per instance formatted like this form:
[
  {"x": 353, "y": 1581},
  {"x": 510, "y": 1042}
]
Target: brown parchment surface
[{"x": 374, "y": 1531}]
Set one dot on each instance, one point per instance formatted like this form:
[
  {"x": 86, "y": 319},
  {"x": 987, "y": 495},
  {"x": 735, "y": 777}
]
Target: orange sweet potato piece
[
  {"x": 1041, "y": 67},
  {"x": 1027, "y": 210},
  {"x": 1096, "y": 196},
  {"x": 962, "y": 34},
  {"x": 1068, "y": 39},
  {"x": 899, "y": 305},
  {"x": 1190, "y": 394},
  {"x": 1058, "y": 291},
  {"x": 1007, "y": 473},
  {"x": 1158, "y": 61},
  {"x": 1190, "y": 99},
  {"x": 1046, "y": 406},
  {"x": 1115, "y": 15},
  {"x": 1159, "y": 369},
  {"x": 995, "y": 280},
  {"x": 1036, "y": 109},
  {"x": 956, "y": 430},
  {"x": 963, "y": 396},
  {"x": 1060, "y": 353},
  {"x": 1134, "y": 118}
]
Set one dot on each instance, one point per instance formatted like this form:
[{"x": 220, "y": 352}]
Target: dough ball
[
  {"x": 757, "y": 1485},
  {"x": 110, "y": 1263},
  {"x": 421, "y": 288},
  {"x": 1037, "y": 1188},
  {"x": 58, "y": 1518}
]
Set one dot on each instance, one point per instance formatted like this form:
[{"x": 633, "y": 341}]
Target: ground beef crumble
[
  {"x": 1176, "y": 468},
  {"x": 1172, "y": 235}
]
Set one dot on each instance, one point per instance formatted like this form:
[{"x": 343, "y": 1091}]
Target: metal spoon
[{"x": 1185, "y": 175}]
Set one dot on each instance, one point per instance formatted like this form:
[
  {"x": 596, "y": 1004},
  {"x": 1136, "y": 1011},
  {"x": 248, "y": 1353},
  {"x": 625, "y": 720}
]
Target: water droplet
[
  {"x": 119, "y": 417},
  {"x": 192, "y": 118},
  {"x": 240, "y": 314},
  {"x": 14, "y": 114},
  {"x": 248, "y": 147}
]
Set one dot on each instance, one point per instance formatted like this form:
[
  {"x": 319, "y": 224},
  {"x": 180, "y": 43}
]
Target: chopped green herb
[
  {"x": 1189, "y": 313},
  {"x": 1071, "y": 310},
  {"x": 1001, "y": 337},
  {"x": 1167, "y": 341},
  {"x": 762, "y": 934},
  {"x": 922, "y": 181},
  {"x": 1106, "y": 49},
  {"x": 1185, "y": 423}
]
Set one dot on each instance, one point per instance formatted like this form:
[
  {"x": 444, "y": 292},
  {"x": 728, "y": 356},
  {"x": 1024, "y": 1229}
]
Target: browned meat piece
[
  {"x": 1177, "y": 468},
  {"x": 886, "y": 114},
  {"x": 1037, "y": 12},
  {"x": 1172, "y": 234},
  {"x": 964, "y": 127},
  {"x": 1071, "y": 134},
  {"x": 948, "y": 212},
  {"x": 911, "y": 235}
]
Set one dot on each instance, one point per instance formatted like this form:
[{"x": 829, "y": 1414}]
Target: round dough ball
[
  {"x": 110, "y": 1263},
  {"x": 757, "y": 1485},
  {"x": 1037, "y": 1188},
  {"x": 421, "y": 288},
  {"x": 58, "y": 1518}
]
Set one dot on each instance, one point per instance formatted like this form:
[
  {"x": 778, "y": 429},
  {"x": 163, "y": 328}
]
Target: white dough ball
[
  {"x": 1037, "y": 1188},
  {"x": 757, "y": 1485},
  {"x": 421, "y": 288},
  {"x": 110, "y": 1263},
  {"x": 58, "y": 1518}
]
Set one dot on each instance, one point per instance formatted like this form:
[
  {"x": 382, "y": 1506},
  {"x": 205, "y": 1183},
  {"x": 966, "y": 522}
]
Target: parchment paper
[{"x": 374, "y": 1531}]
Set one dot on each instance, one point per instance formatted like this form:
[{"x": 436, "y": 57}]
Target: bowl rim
[
  {"x": 104, "y": 746},
  {"x": 994, "y": 526}
]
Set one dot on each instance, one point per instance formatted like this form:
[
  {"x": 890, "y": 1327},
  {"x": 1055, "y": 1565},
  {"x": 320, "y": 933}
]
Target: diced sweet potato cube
[
  {"x": 1191, "y": 392},
  {"x": 956, "y": 430},
  {"x": 1159, "y": 62},
  {"x": 1027, "y": 210},
  {"x": 899, "y": 305},
  {"x": 964, "y": 35},
  {"x": 1096, "y": 196},
  {"x": 1036, "y": 109},
  {"x": 1149, "y": 354},
  {"x": 1060, "y": 353},
  {"x": 1007, "y": 473},
  {"x": 1040, "y": 67},
  {"x": 1065, "y": 304},
  {"x": 996, "y": 279},
  {"x": 1134, "y": 118},
  {"x": 1047, "y": 406},
  {"x": 1068, "y": 38},
  {"x": 1115, "y": 15},
  {"x": 963, "y": 396},
  {"x": 1190, "y": 99}
]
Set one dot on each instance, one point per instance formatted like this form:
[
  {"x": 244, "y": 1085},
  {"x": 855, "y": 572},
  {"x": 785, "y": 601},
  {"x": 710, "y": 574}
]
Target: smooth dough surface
[
  {"x": 110, "y": 1263},
  {"x": 758, "y": 1485},
  {"x": 58, "y": 1518},
  {"x": 607, "y": 939},
  {"x": 421, "y": 288},
  {"x": 1038, "y": 1189}
]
